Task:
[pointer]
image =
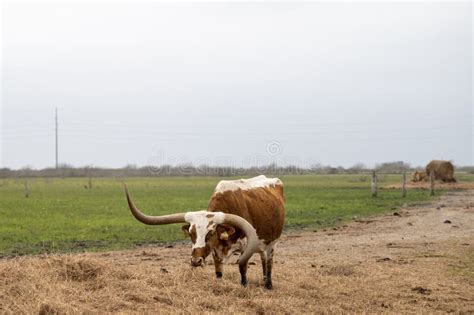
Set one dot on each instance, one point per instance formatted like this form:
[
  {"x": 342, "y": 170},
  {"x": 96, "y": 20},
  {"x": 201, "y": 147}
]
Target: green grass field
[{"x": 62, "y": 215}]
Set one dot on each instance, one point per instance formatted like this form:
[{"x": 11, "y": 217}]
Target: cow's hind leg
[{"x": 268, "y": 269}]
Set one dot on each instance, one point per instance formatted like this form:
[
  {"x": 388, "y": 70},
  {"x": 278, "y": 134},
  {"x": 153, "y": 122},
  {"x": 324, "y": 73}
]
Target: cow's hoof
[
  {"x": 268, "y": 285},
  {"x": 218, "y": 274},
  {"x": 244, "y": 282}
]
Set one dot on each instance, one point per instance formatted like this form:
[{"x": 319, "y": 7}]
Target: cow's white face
[{"x": 208, "y": 234}]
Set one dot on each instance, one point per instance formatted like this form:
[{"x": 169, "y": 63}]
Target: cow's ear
[
  {"x": 225, "y": 231},
  {"x": 185, "y": 229}
]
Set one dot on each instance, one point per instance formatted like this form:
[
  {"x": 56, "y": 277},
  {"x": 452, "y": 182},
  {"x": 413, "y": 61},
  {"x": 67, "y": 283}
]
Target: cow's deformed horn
[
  {"x": 152, "y": 220},
  {"x": 249, "y": 230}
]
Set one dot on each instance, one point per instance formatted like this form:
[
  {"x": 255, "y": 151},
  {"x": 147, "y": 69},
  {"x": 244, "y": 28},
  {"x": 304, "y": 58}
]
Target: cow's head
[
  {"x": 212, "y": 238},
  {"x": 209, "y": 231}
]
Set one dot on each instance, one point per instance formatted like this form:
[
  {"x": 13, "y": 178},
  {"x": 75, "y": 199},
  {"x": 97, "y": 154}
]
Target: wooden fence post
[
  {"x": 374, "y": 184},
  {"x": 27, "y": 191},
  {"x": 432, "y": 183},
  {"x": 404, "y": 184}
]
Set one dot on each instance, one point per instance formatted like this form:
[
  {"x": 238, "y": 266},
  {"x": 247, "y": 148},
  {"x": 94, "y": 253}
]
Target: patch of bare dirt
[
  {"x": 438, "y": 185},
  {"x": 411, "y": 263}
]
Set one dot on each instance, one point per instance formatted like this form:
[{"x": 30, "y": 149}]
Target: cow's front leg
[
  {"x": 243, "y": 273},
  {"x": 263, "y": 258},
  {"x": 219, "y": 266}
]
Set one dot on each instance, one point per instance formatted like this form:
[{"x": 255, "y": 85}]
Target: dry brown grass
[{"x": 386, "y": 266}]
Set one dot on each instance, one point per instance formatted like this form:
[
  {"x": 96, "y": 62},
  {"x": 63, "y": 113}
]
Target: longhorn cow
[{"x": 245, "y": 216}]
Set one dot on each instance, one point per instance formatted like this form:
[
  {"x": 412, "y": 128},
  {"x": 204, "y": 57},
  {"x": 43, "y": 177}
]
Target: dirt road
[{"x": 417, "y": 260}]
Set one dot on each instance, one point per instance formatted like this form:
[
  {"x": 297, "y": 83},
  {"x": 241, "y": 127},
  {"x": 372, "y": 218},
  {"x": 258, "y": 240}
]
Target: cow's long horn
[
  {"x": 152, "y": 220},
  {"x": 250, "y": 232}
]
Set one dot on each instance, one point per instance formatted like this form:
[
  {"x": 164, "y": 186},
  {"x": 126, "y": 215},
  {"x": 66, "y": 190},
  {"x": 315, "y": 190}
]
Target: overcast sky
[{"x": 236, "y": 83}]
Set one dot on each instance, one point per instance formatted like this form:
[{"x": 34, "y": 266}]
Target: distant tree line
[{"x": 206, "y": 170}]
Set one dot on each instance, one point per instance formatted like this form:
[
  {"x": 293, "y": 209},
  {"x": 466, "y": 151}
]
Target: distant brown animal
[
  {"x": 419, "y": 176},
  {"x": 443, "y": 170},
  {"x": 245, "y": 216}
]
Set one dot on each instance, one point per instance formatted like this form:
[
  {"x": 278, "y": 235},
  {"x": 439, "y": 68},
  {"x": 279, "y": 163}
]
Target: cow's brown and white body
[{"x": 258, "y": 202}]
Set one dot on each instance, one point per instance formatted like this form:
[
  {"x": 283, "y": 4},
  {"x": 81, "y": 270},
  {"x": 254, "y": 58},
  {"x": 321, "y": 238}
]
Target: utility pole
[{"x": 56, "y": 120}]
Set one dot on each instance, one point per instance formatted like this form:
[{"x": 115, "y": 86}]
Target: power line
[{"x": 56, "y": 133}]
